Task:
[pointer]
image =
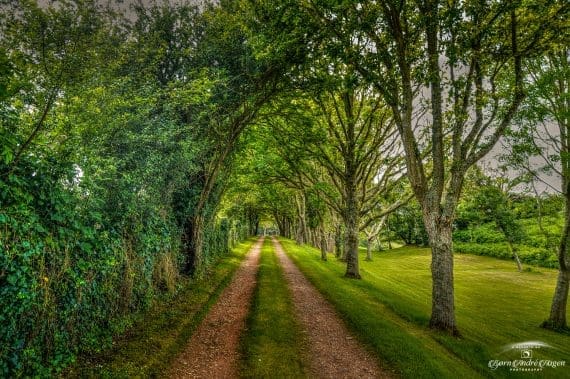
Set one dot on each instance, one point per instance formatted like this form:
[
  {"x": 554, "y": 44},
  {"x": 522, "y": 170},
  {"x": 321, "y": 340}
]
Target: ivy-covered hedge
[
  {"x": 69, "y": 277},
  {"x": 107, "y": 144},
  {"x": 66, "y": 274}
]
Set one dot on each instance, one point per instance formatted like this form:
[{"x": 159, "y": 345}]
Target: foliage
[
  {"x": 486, "y": 233},
  {"x": 157, "y": 336},
  {"x": 458, "y": 65},
  {"x": 541, "y": 148},
  {"x": 534, "y": 249},
  {"x": 533, "y": 207},
  {"x": 102, "y": 157},
  {"x": 490, "y": 218},
  {"x": 67, "y": 272},
  {"x": 406, "y": 223},
  {"x": 493, "y": 204},
  {"x": 538, "y": 256},
  {"x": 126, "y": 161}
]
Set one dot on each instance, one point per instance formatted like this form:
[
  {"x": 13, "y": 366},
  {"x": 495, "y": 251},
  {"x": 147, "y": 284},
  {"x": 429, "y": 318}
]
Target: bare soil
[
  {"x": 213, "y": 349},
  {"x": 335, "y": 353}
]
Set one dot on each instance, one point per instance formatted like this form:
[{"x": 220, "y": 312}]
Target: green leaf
[{"x": 86, "y": 246}]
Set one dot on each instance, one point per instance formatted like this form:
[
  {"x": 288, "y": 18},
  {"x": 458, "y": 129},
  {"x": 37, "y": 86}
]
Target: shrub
[
  {"x": 528, "y": 254},
  {"x": 486, "y": 233}
]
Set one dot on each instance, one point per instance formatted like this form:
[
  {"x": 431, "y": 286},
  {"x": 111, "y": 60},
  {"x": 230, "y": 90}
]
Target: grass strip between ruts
[{"x": 273, "y": 344}]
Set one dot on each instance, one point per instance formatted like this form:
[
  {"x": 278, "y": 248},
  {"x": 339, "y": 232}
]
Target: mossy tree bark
[
  {"x": 302, "y": 234},
  {"x": 351, "y": 220},
  {"x": 372, "y": 231},
  {"x": 557, "y": 319},
  {"x": 338, "y": 242},
  {"x": 323, "y": 243},
  {"x": 368, "y": 249},
  {"x": 443, "y": 301}
]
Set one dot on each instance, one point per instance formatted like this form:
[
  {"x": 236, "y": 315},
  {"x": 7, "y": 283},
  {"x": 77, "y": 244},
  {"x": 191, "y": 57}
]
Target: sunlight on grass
[{"x": 389, "y": 309}]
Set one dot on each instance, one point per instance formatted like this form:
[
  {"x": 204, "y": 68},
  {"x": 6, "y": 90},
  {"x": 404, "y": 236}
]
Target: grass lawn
[
  {"x": 273, "y": 345},
  {"x": 147, "y": 348},
  {"x": 390, "y": 308}
]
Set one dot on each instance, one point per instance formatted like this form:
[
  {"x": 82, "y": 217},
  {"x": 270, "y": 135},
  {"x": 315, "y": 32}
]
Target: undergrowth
[{"x": 156, "y": 337}]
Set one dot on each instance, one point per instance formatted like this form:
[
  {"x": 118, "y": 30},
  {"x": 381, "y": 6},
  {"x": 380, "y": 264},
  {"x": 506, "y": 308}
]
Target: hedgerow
[
  {"x": 70, "y": 278},
  {"x": 538, "y": 256}
]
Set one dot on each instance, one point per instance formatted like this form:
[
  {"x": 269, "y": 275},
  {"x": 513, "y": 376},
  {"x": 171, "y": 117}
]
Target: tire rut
[
  {"x": 213, "y": 349},
  {"x": 334, "y": 352}
]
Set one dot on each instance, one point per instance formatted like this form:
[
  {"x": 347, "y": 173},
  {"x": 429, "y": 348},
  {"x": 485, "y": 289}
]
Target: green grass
[
  {"x": 390, "y": 308},
  {"x": 273, "y": 345},
  {"x": 147, "y": 349}
]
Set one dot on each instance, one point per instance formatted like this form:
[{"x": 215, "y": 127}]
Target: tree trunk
[
  {"x": 323, "y": 244},
  {"x": 285, "y": 231},
  {"x": 368, "y": 249},
  {"x": 187, "y": 246},
  {"x": 515, "y": 255},
  {"x": 301, "y": 235},
  {"x": 330, "y": 242},
  {"x": 443, "y": 307},
  {"x": 280, "y": 224},
  {"x": 314, "y": 238},
  {"x": 557, "y": 319},
  {"x": 388, "y": 239},
  {"x": 345, "y": 247},
  {"x": 352, "y": 267},
  {"x": 338, "y": 244},
  {"x": 352, "y": 228},
  {"x": 193, "y": 244}
]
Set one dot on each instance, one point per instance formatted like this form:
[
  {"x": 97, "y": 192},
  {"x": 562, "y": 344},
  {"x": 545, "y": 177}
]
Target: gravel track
[
  {"x": 335, "y": 353},
  {"x": 213, "y": 349}
]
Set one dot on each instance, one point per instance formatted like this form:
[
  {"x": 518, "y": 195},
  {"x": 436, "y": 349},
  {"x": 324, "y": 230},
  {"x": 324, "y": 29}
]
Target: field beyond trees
[{"x": 389, "y": 311}]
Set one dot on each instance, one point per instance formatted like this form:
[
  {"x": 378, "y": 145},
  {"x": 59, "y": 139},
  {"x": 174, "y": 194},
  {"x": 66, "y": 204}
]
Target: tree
[
  {"x": 492, "y": 202},
  {"x": 50, "y": 50},
  {"x": 407, "y": 224},
  {"x": 85, "y": 156},
  {"x": 372, "y": 232},
  {"x": 362, "y": 150},
  {"x": 452, "y": 74},
  {"x": 540, "y": 147},
  {"x": 233, "y": 48},
  {"x": 350, "y": 154}
]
